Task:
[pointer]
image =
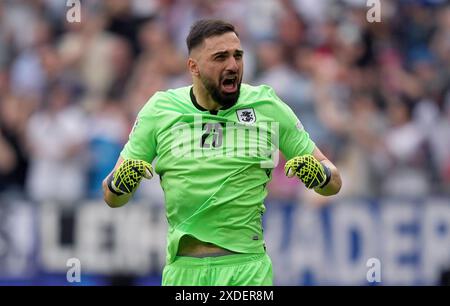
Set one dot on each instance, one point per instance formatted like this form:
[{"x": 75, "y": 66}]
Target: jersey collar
[
  {"x": 201, "y": 108},
  {"x": 194, "y": 101}
]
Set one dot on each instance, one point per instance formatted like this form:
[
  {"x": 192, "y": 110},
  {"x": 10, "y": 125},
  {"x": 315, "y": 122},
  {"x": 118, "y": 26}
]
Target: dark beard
[{"x": 226, "y": 100}]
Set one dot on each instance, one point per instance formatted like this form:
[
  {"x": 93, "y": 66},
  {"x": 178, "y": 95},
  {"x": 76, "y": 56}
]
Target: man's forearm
[{"x": 335, "y": 183}]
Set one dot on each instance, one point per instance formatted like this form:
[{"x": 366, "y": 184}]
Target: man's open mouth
[{"x": 229, "y": 84}]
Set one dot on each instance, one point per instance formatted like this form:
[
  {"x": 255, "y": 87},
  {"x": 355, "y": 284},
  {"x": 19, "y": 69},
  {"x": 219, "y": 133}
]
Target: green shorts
[{"x": 228, "y": 270}]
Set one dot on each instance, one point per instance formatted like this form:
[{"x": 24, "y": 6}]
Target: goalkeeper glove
[
  {"x": 128, "y": 176},
  {"x": 309, "y": 170}
]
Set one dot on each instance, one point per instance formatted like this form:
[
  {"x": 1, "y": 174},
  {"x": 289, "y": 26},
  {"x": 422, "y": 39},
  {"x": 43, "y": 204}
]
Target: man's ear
[{"x": 193, "y": 66}]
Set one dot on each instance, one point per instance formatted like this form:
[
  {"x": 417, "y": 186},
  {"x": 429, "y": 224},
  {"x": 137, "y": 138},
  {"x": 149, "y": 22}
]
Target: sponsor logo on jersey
[{"x": 134, "y": 126}]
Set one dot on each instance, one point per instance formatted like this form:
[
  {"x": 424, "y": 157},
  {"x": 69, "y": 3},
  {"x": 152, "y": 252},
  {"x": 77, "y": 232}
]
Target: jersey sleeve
[
  {"x": 294, "y": 140},
  {"x": 142, "y": 139}
]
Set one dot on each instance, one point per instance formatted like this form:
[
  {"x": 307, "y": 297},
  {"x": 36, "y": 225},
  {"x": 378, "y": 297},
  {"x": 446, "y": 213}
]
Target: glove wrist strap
[
  {"x": 110, "y": 186},
  {"x": 327, "y": 175}
]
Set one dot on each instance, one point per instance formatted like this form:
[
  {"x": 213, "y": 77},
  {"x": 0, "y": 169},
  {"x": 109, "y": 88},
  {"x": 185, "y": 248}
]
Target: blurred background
[{"x": 375, "y": 97}]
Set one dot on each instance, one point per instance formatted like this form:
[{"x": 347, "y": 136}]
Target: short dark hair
[{"x": 205, "y": 28}]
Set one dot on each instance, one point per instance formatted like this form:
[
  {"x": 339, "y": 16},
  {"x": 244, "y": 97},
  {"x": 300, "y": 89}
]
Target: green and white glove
[
  {"x": 128, "y": 175},
  {"x": 309, "y": 170}
]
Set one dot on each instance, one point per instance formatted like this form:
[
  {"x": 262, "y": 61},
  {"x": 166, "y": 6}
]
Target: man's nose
[{"x": 232, "y": 65}]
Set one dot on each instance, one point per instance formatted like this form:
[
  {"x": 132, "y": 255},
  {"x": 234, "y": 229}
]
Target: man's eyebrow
[{"x": 238, "y": 51}]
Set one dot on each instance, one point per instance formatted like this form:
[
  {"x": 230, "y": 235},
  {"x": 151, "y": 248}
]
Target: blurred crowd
[{"x": 375, "y": 97}]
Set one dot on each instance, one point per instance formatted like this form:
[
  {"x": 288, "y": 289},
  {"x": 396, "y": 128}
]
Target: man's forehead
[{"x": 225, "y": 42}]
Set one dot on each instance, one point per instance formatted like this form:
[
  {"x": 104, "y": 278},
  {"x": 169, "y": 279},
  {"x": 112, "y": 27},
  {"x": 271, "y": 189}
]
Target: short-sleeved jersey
[{"x": 214, "y": 166}]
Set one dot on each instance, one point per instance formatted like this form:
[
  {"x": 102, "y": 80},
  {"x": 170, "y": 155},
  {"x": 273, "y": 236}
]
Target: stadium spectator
[
  {"x": 14, "y": 155},
  {"x": 57, "y": 139}
]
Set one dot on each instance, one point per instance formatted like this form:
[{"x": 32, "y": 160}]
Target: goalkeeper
[{"x": 215, "y": 201}]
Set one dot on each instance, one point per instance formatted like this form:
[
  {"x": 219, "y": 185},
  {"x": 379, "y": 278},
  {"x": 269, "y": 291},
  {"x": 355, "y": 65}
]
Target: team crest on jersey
[{"x": 246, "y": 115}]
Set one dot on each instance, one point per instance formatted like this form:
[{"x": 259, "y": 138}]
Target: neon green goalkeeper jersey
[{"x": 214, "y": 165}]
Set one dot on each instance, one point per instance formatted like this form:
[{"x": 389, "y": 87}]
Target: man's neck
[{"x": 204, "y": 99}]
